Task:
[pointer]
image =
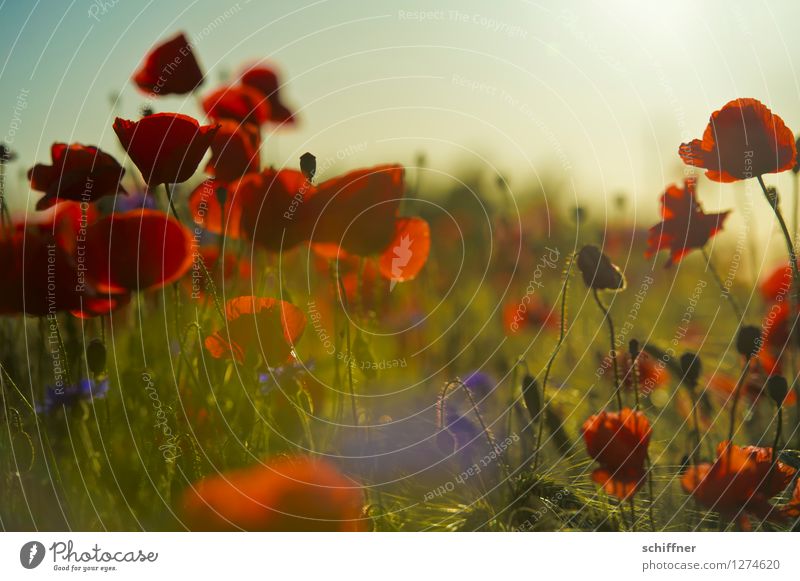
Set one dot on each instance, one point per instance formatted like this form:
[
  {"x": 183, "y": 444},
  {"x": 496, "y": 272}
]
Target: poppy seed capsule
[
  {"x": 691, "y": 368},
  {"x": 96, "y": 356},
  {"x": 308, "y": 165},
  {"x": 530, "y": 393},
  {"x": 777, "y": 388},
  {"x": 221, "y": 193},
  {"x": 748, "y": 341},
  {"x": 598, "y": 271}
]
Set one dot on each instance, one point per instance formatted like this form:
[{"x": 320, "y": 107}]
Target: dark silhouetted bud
[
  {"x": 633, "y": 348},
  {"x": 777, "y": 388},
  {"x": 96, "y": 356},
  {"x": 598, "y": 271},
  {"x": 6, "y": 154},
  {"x": 748, "y": 341},
  {"x": 308, "y": 165},
  {"x": 691, "y": 368},
  {"x": 772, "y": 196},
  {"x": 221, "y": 192},
  {"x": 530, "y": 393}
]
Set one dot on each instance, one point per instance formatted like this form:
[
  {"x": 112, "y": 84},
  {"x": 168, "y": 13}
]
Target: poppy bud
[
  {"x": 633, "y": 348},
  {"x": 308, "y": 165},
  {"x": 579, "y": 214},
  {"x": 6, "y": 154},
  {"x": 691, "y": 368},
  {"x": 772, "y": 196},
  {"x": 96, "y": 356},
  {"x": 222, "y": 194},
  {"x": 777, "y": 388},
  {"x": 598, "y": 271},
  {"x": 748, "y": 341},
  {"x": 530, "y": 393}
]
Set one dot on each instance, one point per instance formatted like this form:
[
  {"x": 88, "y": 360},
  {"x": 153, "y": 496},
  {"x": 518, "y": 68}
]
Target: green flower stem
[{"x": 612, "y": 336}]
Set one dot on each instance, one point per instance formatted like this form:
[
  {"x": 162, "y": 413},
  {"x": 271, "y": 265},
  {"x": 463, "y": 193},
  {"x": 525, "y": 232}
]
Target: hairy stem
[
  {"x": 561, "y": 334},
  {"x": 613, "y": 340}
]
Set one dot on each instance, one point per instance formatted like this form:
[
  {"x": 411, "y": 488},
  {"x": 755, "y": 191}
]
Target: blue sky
[{"x": 597, "y": 94}]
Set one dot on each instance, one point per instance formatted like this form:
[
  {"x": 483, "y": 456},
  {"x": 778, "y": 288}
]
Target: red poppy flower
[
  {"x": 234, "y": 151},
  {"x": 275, "y": 208},
  {"x": 739, "y": 481},
  {"x": 404, "y": 257},
  {"x": 299, "y": 493},
  {"x": 64, "y": 222},
  {"x": 528, "y": 313},
  {"x": 265, "y": 80},
  {"x": 258, "y": 325},
  {"x": 400, "y": 261},
  {"x": 45, "y": 272},
  {"x": 268, "y": 208},
  {"x": 651, "y": 374},
  {"x": 166, "y": 147},
  {"x": 777, "y": 284},
  {"x": 744, "y": 139},
  {"x": 685, "y": 226},
  {"x": 137, "y": 250},
  {"x": 204, "y": 206},
  {"x": 170, "y": 69},
  {"x": 618, "y": 442},
  {"x": 237, "y": 103},
  {"x": 26, "y": 289},
  {"x": 79, "y": 173},
  {"x": 358, "y": 211}
]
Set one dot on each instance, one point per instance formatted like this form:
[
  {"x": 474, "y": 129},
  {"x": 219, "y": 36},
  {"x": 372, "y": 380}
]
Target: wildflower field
[{"x": 194, "y": 338}]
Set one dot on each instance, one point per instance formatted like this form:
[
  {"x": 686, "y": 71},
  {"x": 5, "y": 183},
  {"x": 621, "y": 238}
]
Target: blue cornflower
[
  {"x": 56, "y": 397},
  {"x": 479, "y": 383}
]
